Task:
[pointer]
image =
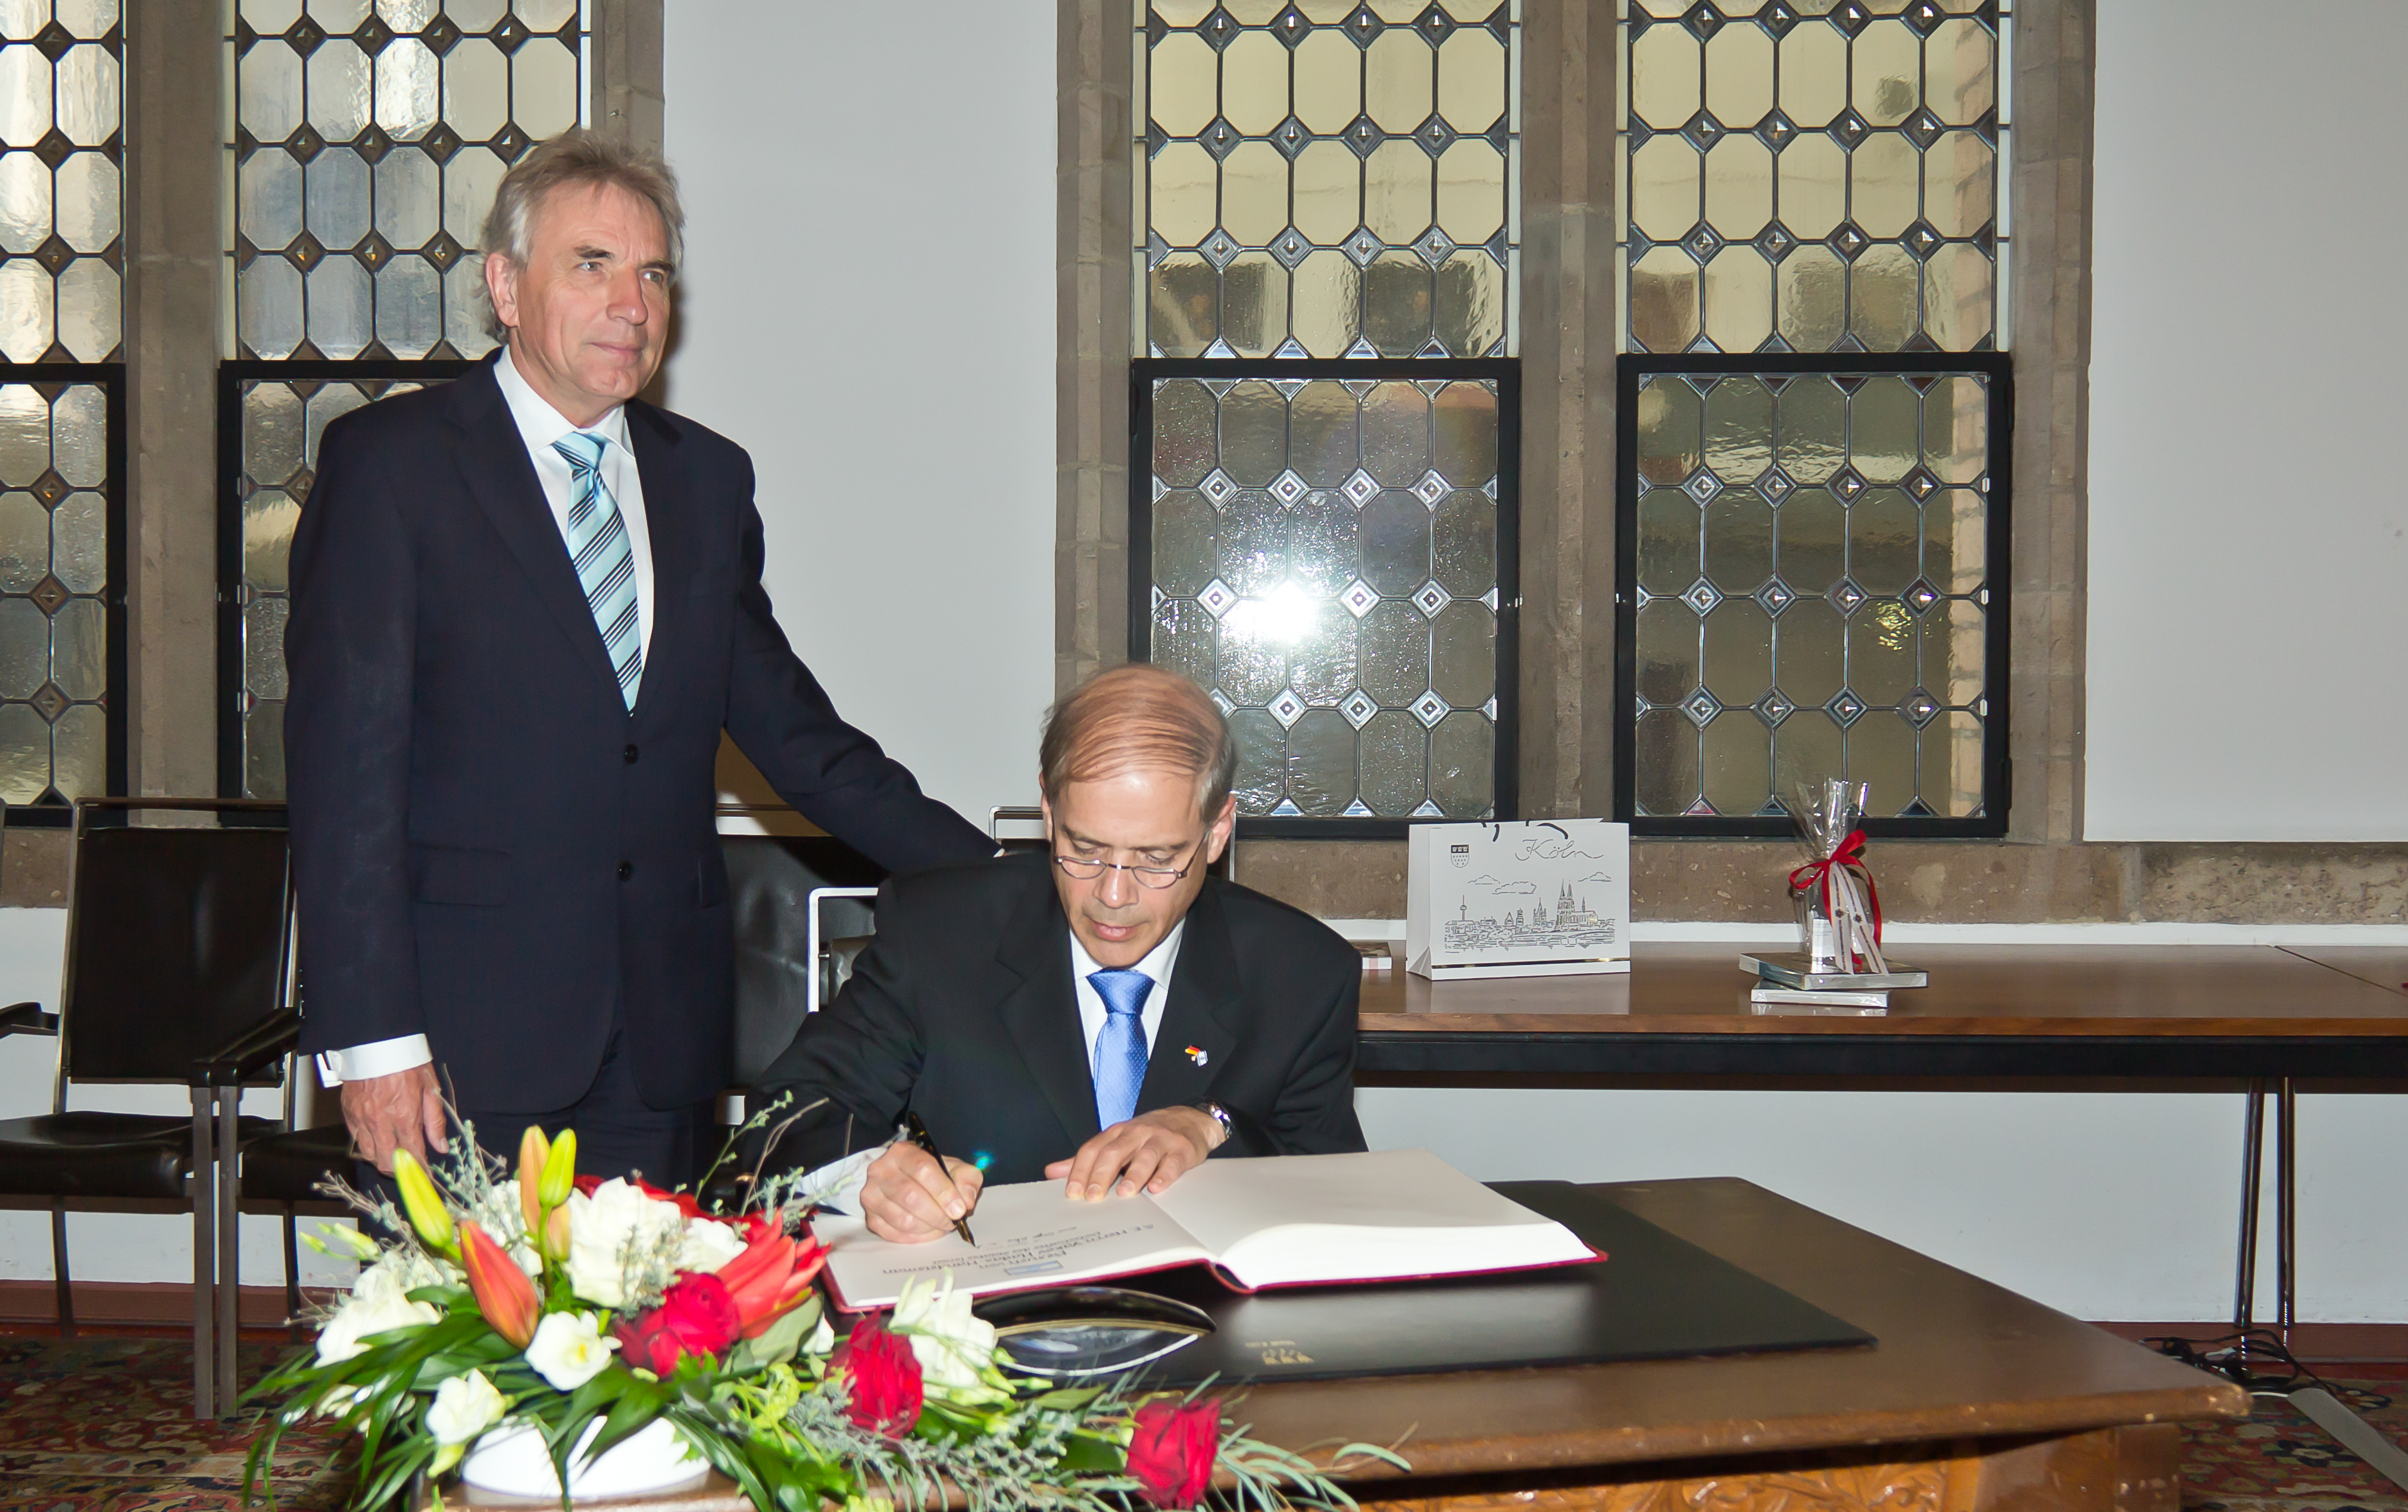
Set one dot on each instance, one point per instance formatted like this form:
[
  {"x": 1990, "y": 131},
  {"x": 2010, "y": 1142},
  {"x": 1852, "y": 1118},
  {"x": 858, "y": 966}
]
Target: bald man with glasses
[{"x": 1106, "y": 1015}]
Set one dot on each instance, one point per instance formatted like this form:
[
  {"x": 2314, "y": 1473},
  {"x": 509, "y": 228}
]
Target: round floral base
[{"x": 512, "y": 1461}]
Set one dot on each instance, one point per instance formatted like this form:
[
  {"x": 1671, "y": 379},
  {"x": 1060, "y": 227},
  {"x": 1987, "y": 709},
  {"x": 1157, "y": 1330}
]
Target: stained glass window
[
  {"x": 1807, "y": 176},
  {"x": 369, "y": 138},
  {"x": 1324, "y": 270},
  {"x": 1812, "y": 577},
  {"x": 56, "y": 442},
  {"x": 368, "y": 141},
  {"x": 1813, "y": 594},
  {"x": 62, "y": 387}
]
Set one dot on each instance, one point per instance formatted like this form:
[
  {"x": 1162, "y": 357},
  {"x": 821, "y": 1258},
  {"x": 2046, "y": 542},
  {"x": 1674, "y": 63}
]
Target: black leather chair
[
  {"x": 770, "y": 878},
  {"x": 177, "y": 940}
]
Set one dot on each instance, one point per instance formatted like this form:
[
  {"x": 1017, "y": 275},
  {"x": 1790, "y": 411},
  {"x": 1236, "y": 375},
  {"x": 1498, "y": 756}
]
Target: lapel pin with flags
[{"x": 1197, "y": 1054}]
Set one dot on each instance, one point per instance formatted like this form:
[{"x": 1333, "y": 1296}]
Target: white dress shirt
[
  {"x": 1157, "y": 964},
  {"x": 539, "y": 425}
]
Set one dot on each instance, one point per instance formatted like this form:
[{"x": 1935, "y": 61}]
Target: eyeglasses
[{"x": 1157, "y": 878}]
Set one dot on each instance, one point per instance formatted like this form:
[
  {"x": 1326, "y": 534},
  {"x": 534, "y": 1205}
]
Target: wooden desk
[
  {"x": 2217, "y": 1011},
  {"x": 1974, "y": 1400},
  {"x": 2385, "y": 966}
]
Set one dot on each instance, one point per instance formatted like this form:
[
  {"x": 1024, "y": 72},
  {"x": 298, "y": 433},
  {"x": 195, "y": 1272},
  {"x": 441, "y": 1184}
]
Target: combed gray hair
[{"x": 576, "y": 156}]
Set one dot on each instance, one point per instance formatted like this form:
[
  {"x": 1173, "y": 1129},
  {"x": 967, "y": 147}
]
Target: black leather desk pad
[{"x": 1655, "y": 1297}]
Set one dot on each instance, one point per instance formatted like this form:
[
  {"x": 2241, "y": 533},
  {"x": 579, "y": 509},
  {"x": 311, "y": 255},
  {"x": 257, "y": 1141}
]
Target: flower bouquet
[{"x": 548, "y": 1322}]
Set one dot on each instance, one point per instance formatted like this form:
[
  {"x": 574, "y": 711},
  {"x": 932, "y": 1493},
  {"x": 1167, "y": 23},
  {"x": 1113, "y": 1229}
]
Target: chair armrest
[
  {"x": 250, "y": 1052},
  {"x": 27, "y": 1019}
]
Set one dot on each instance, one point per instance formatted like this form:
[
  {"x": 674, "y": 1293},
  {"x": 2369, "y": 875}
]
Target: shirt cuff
[{"x": 379, "y": 1058}]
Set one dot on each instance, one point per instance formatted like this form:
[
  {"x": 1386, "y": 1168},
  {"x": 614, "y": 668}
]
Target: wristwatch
[{"x": 1219, "y": 1115}]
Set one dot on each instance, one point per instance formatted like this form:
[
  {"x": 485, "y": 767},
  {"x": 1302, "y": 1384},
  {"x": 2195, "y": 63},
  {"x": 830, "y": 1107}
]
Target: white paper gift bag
[{"x": 1539, "y": 898}]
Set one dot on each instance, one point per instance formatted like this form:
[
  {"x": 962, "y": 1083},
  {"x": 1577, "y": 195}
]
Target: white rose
[
  {"x": 380, "y": 1300},
  {"x": 953, "y": 1348},
  {"x": 709, "y": 1245},
  {"x": 601, "y": 1228},
  {"x": 823, "y": 1338},
  {"x": 569, "y": 1350},
  {"x": 464, "y": 1406}
]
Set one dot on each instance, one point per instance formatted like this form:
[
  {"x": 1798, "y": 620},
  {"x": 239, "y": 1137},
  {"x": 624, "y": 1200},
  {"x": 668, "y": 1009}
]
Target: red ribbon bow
[{"x": 1851, "y": 854}]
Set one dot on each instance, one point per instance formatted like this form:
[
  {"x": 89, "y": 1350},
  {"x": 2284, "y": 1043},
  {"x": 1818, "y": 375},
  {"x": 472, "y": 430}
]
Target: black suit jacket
[
  {"x": 962, "y": 1010},
  {"x": 489, "y": 847}
]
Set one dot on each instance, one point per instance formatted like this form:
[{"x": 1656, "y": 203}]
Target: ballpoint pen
[{"x": 918, "y": 1133}]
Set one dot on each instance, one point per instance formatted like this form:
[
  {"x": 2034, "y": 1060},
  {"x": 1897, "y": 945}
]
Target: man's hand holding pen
[{"x": 911, "y": 1196}]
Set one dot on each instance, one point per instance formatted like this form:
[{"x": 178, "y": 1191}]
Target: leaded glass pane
[
  {"x": 1814, "y": 177},
  {"x": 1324, "y": 562},
  {"x": 53, "y": 591},
  {"x": 368, "y": 143},
  {"x": 280, "y": 424},
  {"x": 1811, "y": 589},
  {"x": 1326, "y": 181},
  {"x": 62, "y": 182}
]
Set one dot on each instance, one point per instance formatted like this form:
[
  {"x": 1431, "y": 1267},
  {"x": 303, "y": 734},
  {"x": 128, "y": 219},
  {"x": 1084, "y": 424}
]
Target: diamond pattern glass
[
  {"x": 62, "y": 182},
  {"x": 1788, "y": 634},
  {"x": 367, "y": 145},
  {"x": 1346, "y": 621},
  {"x": 1326, "y": 181},
  {"x": 54, "y": 691},
  {"x": 1814, "y": 178},
  {"x": 281, "y": 421}
]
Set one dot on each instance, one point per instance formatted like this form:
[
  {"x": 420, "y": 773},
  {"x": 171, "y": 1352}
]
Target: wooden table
[
  {"x": 2106, "y": 1010},
  {"x": 1974, "y": 1400},
  {"x": 2256, "y": 1012}
]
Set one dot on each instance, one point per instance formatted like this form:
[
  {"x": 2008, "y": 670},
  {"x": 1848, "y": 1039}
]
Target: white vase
[{"x": 512, "y": 1459}]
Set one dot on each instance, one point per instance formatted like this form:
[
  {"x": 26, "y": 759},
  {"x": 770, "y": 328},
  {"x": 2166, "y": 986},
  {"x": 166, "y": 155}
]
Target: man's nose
[
  {"x": 1117, "y": 889},
  {"x": 628, "y": 297}
]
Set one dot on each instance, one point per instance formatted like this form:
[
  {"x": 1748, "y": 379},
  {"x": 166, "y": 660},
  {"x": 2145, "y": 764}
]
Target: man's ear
[
  {"x": 1224, "y": 824},
  {"x": 502, "y": 287}
]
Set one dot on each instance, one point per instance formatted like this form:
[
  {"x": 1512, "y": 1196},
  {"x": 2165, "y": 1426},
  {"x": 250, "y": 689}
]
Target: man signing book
[{"x": 1106, "y": 1015}]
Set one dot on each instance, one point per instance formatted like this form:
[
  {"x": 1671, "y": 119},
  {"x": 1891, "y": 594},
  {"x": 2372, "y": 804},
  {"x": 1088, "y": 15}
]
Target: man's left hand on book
[
  {"x": 1147, "y": 1152},
  {"x": 909, "y": 1198}
]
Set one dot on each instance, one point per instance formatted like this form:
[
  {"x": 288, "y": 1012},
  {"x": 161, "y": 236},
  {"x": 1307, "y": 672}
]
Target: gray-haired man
[{"x": 525, "y": 606}]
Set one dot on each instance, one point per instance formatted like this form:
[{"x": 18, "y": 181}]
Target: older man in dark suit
[
  {"x": 525, "y": 606},
  {"x": 1106, "y": 1016}
]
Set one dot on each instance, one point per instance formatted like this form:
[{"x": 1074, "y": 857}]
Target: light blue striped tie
[
  {"x": 1119, "y": 1047},
  {"x": 605, "y": 563}
]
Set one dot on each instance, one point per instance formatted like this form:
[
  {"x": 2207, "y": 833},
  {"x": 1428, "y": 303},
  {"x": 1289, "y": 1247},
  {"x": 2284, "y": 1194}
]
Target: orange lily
[
  {"x": 503, "y": 1294},
  {"x": 771, "y": 1276}
]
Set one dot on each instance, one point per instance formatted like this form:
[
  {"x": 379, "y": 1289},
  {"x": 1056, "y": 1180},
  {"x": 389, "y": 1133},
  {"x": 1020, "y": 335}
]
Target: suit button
[
  {"x": 630, "y": 754},
  {"x": 626, "y": 869}
]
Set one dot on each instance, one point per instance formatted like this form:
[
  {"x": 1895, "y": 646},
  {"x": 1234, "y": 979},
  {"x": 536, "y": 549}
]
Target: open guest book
[{"x": 1275, "y": 1221}]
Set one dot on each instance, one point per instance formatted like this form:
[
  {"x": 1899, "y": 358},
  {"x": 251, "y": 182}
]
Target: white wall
[
  {"x": 867, "y": 306},
  {"x": 2247, "y": 497}
]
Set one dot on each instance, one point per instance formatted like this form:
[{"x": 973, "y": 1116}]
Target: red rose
[
  {"x": 884, "y": 1378},
  {"x": 1173, "y": 1450},
  {"x": 696, "y": 1316}
]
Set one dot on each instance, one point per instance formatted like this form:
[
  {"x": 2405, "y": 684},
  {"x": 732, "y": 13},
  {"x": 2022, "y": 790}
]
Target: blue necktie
[
  {"x": 1120, "y": 1050},
  {"x": 605, "y": 563}
]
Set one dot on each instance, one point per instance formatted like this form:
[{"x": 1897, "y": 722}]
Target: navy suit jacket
[
  {"x": 489, "y": 847},
  {"x": 962, "y": 1010}
]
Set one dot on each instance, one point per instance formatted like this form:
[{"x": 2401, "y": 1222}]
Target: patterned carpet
[
  {"x": 103, "y": 1425},
  {"x": 2280, "y": 1461}
]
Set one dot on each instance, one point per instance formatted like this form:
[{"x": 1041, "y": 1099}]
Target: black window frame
[
  {"x": 110, "y": 378},
  {"x": 1997, "y": 367}
]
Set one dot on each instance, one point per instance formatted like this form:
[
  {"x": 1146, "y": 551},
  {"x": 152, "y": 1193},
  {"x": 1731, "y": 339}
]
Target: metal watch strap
[{"x": 1219, "y": 1115}]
